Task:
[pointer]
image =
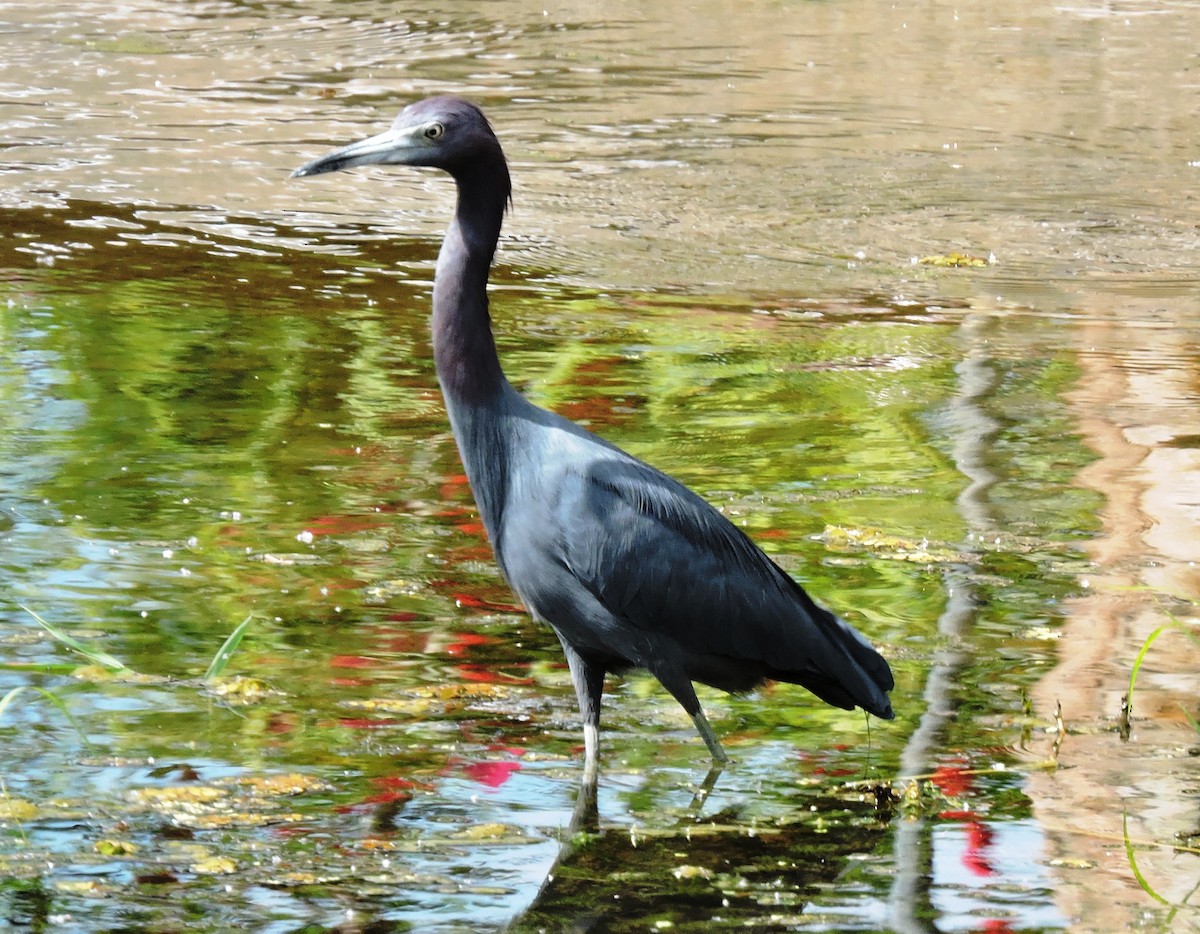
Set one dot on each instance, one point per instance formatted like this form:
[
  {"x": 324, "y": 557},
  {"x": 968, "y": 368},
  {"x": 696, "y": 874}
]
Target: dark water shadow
[{"x": 707, "y": 872}]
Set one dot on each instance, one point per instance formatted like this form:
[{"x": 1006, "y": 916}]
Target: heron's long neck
[{"x": 464, "y": 350}]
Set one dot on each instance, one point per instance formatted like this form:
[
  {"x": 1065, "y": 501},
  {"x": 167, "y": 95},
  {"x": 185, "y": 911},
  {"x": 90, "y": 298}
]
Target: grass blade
[
  {"x": 96, "y": 656},
  {"x": 221, "y": 660},
  {"x": 41, "y": 668},
  {"x": 1127, "y": 700},
  {"x": 11, "y": 696},
  {"x": 1137, "y": 873},
  {"x": 1141, "y": 655},
  {"x": 7, "y": 700}
]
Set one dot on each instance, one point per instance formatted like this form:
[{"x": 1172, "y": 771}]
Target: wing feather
[{"x": 661, "y": 558}]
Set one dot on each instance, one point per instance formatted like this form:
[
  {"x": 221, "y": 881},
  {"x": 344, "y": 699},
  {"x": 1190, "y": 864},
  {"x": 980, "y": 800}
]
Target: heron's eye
[{"x": 434, "y": 131}]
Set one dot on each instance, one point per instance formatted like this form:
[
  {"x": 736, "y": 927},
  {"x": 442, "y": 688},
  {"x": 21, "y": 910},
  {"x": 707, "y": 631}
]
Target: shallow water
[{"x": 218, "y": 401}]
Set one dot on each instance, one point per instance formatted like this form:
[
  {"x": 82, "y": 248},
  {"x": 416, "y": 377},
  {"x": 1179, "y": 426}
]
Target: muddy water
[{"x": 218, "y": 401}]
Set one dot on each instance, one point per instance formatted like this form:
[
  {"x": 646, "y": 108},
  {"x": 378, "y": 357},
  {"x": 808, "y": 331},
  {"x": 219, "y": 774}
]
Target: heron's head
[{"x": 444, "y": 132}]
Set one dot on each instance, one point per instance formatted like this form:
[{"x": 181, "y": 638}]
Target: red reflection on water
[
  {"x": 956, "y": 779},
  {"x": 834, "y": 773},
  {"x": 395, "y": 790},
  {"x": 478, "y": 603},
  {"x": 282, "y": 723},
  {"x": 402, "y": 616},
  {"x": 465, "y": 640},
  {"x": 352, "y": 661},
  {"x": 979, "y": 840},
  {"x": 953, "y": 779},
  {"x": 341, "y": 525},
  {"x": 328, "y": 584},
  {"x": 400, "y": 640},
  {"x": 511, "y": 750},
  {"x": 449, "y": 511},
  {"x": 290, "y": 830},
  {"x": 492, "y": 774},
  {"x": 383, "y": 797},
  {"x": 452, "y": 485},
  {"x": 976, "y": 859},
  {"x": 488, "y": 675},
  {"x": 595, "y": 409},
  {"x": 480, "y": 552}
]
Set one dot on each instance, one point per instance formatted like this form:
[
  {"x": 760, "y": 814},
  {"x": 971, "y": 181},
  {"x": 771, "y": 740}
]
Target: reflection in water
[
  {"x": 973, "y": 431},
  {"x": 218, "y": 398},
  {"x": 724, "y": 874}
]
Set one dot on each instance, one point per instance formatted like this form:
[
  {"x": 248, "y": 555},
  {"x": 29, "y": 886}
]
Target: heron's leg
[
  {"x": 588, "y": 678},
  {"x": 709, "y": 737},
  {"x": 585, "y": 816},
  {"x": 591, "y": 751},
  {"x": 680, "y": 686}
]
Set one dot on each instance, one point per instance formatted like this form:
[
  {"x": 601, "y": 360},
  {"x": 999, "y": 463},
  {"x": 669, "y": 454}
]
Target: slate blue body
[{"x": 629, "y": 567}]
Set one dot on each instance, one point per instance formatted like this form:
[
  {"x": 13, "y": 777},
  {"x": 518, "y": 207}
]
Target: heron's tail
[{"x": 848, "y": 672}]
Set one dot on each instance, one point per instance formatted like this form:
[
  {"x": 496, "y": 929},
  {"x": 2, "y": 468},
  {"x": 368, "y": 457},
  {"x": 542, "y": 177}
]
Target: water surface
[{"x": 218, "y": 401}]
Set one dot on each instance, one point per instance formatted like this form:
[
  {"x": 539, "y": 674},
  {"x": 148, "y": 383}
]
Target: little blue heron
[{"x": 629, "y": 567}]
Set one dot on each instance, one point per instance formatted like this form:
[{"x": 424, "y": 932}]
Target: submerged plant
[
  {"x": 1127, "y": 701},
  {"x": 114, "y": 665},
  {"x": 7, "y": 700},
  {"x": 93, "y": 655},
  {"x": 1145, "y": 883}
]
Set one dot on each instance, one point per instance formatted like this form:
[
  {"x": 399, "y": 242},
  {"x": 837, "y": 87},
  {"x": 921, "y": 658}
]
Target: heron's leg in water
[
  {"x": 710, "y": 738},
  {"x": 705, "y": 789},
  {"x": 588, "y": 678},
  {"x": 591, "y": 751},
  {"x": 673, "y": 678}
]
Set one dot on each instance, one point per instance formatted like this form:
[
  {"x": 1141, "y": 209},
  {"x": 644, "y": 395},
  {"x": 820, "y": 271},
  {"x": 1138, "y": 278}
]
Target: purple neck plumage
[
  {"x": 464, "y": 350},
  {"x": 463, "y": 347}
]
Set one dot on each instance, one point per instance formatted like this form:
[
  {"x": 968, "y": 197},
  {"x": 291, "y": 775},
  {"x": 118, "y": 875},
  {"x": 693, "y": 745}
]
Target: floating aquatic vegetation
[{"x": 956, "y": 260}]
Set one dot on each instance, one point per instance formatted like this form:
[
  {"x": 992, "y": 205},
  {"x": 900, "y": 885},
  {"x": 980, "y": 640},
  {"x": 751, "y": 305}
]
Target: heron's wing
[{"x": 661, "y": 558}]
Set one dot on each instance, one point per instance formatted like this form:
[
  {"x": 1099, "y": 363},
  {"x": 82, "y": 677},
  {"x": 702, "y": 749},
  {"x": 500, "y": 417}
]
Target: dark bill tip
[
  {"x": 318, "y": 167},
  {"x": 391, "y": 147}
]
